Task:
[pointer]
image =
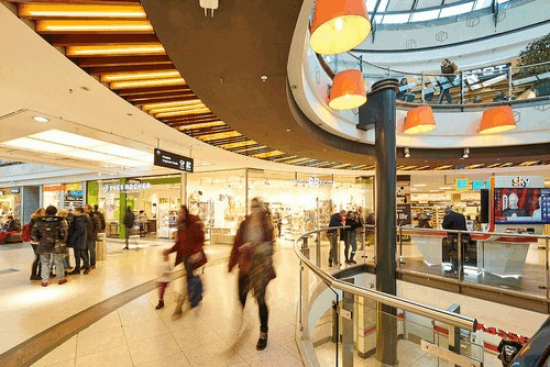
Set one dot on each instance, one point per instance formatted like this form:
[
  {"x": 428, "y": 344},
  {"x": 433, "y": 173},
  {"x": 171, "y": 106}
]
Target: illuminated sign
[
  {"x": 172, "y": 160},
  {"x": 478, "y": 184},
  {"x": 503, "y": 334},
  {"x": 53, "y": 188},
  {"x": 462, "y": 184},
  {"x": 15, "y": 191},
  {"x": 126, "y": 187},
  {"x": 313, "y": 182}
]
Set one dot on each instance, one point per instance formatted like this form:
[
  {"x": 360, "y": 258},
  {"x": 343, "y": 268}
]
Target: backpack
[{"x": 26, "y": 235}]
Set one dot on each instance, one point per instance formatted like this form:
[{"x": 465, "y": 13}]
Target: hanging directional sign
[{"x": 172, "y": 160}]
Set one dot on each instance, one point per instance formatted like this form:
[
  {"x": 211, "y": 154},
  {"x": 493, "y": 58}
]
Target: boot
[
  {"x": 351, "y": 258},
  {"x": 262, "y": 341},
  {"x": 160, "y": 304}
]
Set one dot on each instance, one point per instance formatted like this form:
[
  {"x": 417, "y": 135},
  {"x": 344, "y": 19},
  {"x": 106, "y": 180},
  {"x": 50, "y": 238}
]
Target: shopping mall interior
[{"x": 403, "y": 115}]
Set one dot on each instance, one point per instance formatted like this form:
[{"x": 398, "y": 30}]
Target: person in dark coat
[
  {"x": 253, "y": 252},
  {"x": 424, "y": 220},
  {"x": 94, "y": 226},
  {"x": 351, "y": 238},
  {"x": 335, "y": 221},
  {"x": 128, "y": 221},
  {"x": 456, "y": 221},
  {"x": 51, "y": 233},
  {"x": 190, "y": 241},
  {"x": 36, "y": 265},
  {"x": 78, "y": 240},
  {"x": 101, "y": 218}
]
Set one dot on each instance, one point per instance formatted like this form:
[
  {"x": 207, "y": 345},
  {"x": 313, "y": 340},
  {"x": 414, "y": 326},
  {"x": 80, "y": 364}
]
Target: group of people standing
[
  {"x": 353, "y": 222},
  {"x": 252, "y": 252},
  {"x": 52, "y": 232}
]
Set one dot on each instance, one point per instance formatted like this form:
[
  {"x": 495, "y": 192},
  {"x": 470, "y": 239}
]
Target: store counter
[{"x": 498, "y": 255}]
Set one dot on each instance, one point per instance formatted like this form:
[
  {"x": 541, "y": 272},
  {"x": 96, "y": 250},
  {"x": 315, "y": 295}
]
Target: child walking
[{"x": 164, "y": 269}]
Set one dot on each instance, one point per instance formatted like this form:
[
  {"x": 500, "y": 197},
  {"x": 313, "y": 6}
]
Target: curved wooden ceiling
[{"x": 115, "y": 42}]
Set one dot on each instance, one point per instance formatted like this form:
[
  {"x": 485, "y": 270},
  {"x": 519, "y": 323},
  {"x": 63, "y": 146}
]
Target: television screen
[
  {"x": 529, "y": 206},
  {"x": 478, "y": 184}
]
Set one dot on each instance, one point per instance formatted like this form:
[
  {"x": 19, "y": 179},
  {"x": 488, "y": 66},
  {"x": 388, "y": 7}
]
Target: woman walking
[
  {"x": 253, "y": 252},
  {"x": 36, "y": 266}
]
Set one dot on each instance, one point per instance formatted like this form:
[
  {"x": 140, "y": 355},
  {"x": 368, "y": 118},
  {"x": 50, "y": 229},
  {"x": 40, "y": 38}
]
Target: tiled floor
[{"x": 209, "y": 335}]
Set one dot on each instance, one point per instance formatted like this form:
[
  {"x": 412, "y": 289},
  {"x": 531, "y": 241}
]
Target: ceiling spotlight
[
  {"x": 407, "y": 152},
  {"x": 466, "y": 153},
  {"x": 40, "y": 119}
]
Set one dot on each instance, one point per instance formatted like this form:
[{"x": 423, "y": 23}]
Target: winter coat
[
  {"x": 51, "y": 233},
  {"x": 94, "y": 226},
  {"x": 78, "y": 232},
  {"x": 129, "y": 219},
  {"x": 190, "y": 240},
  {"x": 335, "y": 221},
  {"x": 255, "y": 260},
  {"x": 101, "y": 220}
]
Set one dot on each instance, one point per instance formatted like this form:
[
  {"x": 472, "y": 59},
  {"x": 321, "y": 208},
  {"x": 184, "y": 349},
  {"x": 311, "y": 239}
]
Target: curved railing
[
  {"x": 492, "y": 84},
  {"x": 327, "y": 306},
  {"x": 330, "y": 308}
]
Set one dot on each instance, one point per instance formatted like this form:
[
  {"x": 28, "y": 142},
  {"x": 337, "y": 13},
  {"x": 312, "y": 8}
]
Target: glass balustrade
[
  {"x": 497, "y": 83},
  {"x": 345, "y": 325}
]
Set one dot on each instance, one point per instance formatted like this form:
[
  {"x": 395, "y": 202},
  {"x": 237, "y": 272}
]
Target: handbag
[{"x": 198, "y": 259}]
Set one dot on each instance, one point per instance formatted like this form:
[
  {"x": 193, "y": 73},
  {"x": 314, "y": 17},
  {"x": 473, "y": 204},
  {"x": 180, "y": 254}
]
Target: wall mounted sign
[
  {"x": 313, "y": 182},
  {"x": 53, "y": 188},
  {"x": 519, "y": 181},
  {"x": 478, "y": 184},
  {"x": 15, "y": 191},
  {"x": 126, "y": 187},
  {"x": 462, "y": 184},
  {"x": 172, "y": 160}
]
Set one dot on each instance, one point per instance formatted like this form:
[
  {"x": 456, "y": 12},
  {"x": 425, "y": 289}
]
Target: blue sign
[
  {"x": 478, "y": 184},
  {"x": 461, "y": 184}
]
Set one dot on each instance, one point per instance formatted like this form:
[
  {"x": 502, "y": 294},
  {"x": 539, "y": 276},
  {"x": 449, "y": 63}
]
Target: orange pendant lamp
[
  {"x": 338, "y": 26},
  {"x": 419, "y": 120},
  {"x": 497, "y": 120},
  {"x": 348, "y": 90}
]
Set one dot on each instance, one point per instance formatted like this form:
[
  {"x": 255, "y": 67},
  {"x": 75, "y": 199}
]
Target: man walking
[
  {"x": 94, "y": 226},
  {"x": 456, "y": 221},
  {"x": 129, "y": 219}
]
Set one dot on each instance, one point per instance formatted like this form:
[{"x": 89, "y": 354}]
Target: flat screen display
[
  {"x": 528, "y": 206},
  {"x": 478, "y": 184}
]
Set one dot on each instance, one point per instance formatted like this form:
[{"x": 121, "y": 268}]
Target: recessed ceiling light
[
  {"x": 419, "y": 185},
  {"x": 287, "y": 130},
  {"x": 40, "y": 119}
]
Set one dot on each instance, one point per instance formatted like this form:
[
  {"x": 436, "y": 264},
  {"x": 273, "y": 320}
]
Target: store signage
[
  {"x": 15, "y": 191},
  {"x": 519, "y": 181},
  {"x": 53, "y": 188},
  {"x": 478, "y": 184},
  {"x": 477, "y": 75},
  {"x": 313, "y": 182},
  {"x": 462, "y": 184},
  {"x": 403, "y": 214},
  {"x": 126, "y": 187},
  {"x": 73, "y": 187},
  {"x": 172, "y": 160},
  {"x": 503, "y": 334}
]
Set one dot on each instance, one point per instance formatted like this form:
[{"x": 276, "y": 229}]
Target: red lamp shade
[
  {"x": 419, "y": 120},
  {"x": 338, "y": 26},
  {"x": 497, "y": 120},
  {"x": 348, "y": 90}
]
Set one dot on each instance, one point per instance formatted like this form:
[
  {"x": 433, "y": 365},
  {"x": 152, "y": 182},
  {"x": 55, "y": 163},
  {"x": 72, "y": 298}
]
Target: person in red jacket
[
  {"x": 188, "y": 246},
  {"x": 253, "y": 252}
]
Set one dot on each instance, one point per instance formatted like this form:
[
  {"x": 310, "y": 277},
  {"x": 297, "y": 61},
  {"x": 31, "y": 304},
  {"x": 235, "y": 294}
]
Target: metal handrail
[
  {"x": 434, "y": 313},
  {"x": 502, "y": 234}
]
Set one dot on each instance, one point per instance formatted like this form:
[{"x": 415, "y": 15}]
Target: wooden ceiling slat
[
  {"x": 140, "y": 101},
  {"x": 183, "y": 119},
  {"x": 243, "y": 147},
  {"x": 150, "y": 90},
  {"x": 280, "y": 157},
  {"x": 236, "y": 139},
  {"x": 86, "y": 62},
  {"x": 192, "y": 122},
  {"x": 108, "y": 2},
  {"x": 257, "y": 151},
  {"x": 88, "y": 39},
  {"x": 129, "y": 69},
  {"x": 207, "y": 131}
]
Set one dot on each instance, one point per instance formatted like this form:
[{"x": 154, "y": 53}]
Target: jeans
[
  {"x": 36, "y": 264},
  {"x": 59, "y": 267},
  {"x": 351, "y": 239},
  {"x": 128, "y": 229},
  {"x": 188, "y": 268},
  {"x": 333, "y": 248},
  {"x": 91, "y": 249},
  {"x": 260, "y": 298},
  {"x": 81, "y": 254}
]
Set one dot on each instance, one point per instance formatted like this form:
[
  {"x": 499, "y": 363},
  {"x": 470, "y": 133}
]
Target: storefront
[
  {"x": 63, "y": 196},
  {"x": 157, "y": 197},
  {"x": 298, "y": 202},
  {"x": 10, "y": 202}
]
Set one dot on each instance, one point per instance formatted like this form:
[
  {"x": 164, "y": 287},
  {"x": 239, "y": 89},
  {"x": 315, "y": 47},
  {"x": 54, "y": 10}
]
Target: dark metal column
[{"x": 380, "y": 111}]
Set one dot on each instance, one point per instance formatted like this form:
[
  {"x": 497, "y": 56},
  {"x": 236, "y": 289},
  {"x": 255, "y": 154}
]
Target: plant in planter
[{"x": 537, "y": 52}]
